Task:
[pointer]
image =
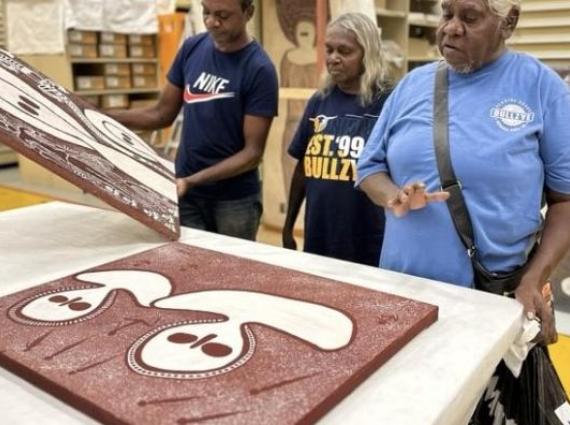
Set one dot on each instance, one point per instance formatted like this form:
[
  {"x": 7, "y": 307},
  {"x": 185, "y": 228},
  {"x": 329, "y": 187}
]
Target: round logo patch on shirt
[
  {"x": 320, "y": 122},
  {"x": 512, "y": 114}
]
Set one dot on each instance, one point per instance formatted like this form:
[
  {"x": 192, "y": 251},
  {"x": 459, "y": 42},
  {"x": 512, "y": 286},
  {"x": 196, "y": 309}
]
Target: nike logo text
[{"x": 190, "y": 97}]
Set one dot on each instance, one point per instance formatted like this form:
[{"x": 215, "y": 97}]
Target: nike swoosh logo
[{"x": 190, "y": 97}]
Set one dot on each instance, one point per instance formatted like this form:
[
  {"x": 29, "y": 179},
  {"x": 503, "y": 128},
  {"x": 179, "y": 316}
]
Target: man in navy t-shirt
[{"x": 228, "y": 88}]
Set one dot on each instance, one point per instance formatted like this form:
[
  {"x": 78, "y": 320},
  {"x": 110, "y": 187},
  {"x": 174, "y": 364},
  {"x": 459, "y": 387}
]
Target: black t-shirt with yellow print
[{"x": 340, "y": 221}]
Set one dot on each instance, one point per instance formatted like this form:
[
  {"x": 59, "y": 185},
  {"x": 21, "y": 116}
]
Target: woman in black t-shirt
[{"x": 340, "y": 221}]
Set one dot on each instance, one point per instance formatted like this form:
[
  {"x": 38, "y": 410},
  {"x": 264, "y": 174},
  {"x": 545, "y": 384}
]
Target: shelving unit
[
  {"x": 183, "y": 5},
  {"x": 107, "y": 60},
  {"x": 113, "y": 70},
  {"x": 411, "y": 25},
  {"x": 116, "y": 91}
]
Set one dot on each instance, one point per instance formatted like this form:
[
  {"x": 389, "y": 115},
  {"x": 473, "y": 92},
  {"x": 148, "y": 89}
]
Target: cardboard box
[
  {"x": 118, "y": 51},
  {"x": 82, "y": 37},
  {"x": 142, "y": 39},
  {"x": 89, "y": 82},
  {"x": 109, "y": 101},
  {"x": 419, "y": 48},
  {"x": 106, "y": 37},
  {"x": 143, "y": 68},
  {"x": 93, "y": 100},
  {"x": 144, "y": 81},
  {"x": 123, "y": 69},
  {"x": 82, "y": 50},
  {"x": 142, "y": 103},
  {"x": 117, "y": 82},
  {"x": 139, "y": 51}
]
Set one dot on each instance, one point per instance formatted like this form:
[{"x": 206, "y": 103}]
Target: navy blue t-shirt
[
  {"x": 219, "y": 90},
  {"x": 340, "y": 221}
]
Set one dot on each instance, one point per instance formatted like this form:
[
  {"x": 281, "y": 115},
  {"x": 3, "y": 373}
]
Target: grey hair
[
  {"x": 374, "y": 64},
  {"x": 502, "y": 7}
]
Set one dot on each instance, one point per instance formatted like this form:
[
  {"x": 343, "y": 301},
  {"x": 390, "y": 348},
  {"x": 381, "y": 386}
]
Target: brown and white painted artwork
[
  {"x": 182, "y": 335},
  {"x": 50, "y": 125}
]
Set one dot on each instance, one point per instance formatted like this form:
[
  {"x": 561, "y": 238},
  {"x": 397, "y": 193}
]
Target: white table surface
[{"x": 434, "y": 379}]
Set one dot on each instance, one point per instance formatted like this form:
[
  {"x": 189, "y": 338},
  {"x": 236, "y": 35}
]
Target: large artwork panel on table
[
  {"x": 46, "y": 123},
  {"x": 180, "y": 334}
]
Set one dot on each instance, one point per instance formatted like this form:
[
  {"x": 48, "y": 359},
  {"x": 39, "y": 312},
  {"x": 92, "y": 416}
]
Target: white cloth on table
[
  {"x": 121, "y": 16},
  {"x": 515, "y": 357},
  {"x": 34, "y": 27}
]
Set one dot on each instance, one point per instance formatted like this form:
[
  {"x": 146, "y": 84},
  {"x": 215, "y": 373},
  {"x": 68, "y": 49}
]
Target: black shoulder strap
[{"x": 449, "y": 183}]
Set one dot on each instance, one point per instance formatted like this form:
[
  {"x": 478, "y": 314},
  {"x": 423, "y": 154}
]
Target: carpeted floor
[{"x": 560, "y": 352}]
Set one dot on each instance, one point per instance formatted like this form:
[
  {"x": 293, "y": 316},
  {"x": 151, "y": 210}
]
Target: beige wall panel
[
  {"x": 57, "y": 67},
  {"x": 290, "y": 43},
  {"x": 40, "y": 177},
  {"x": 274, "y": 200},
  {"x": 544, "y": 31},
  {"x": 537, "y": 33}
]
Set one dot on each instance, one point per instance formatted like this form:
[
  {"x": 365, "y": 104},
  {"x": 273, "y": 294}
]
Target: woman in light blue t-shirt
[{"x": 509, "y": 127}]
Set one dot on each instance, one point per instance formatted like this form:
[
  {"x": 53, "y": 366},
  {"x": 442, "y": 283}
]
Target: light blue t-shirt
[{"x": 509, "y": 135}]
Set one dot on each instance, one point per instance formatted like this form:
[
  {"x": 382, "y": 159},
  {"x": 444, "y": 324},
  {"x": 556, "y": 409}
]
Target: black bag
[
  {"x": 536, "y": 397},
  {"x": 494, "y": 282}
]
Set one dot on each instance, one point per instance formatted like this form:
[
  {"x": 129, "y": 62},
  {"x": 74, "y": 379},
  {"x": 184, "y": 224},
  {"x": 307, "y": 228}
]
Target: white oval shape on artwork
[
  {"x": 62, "y": 307},
  {"x": 192, "y": 350}
]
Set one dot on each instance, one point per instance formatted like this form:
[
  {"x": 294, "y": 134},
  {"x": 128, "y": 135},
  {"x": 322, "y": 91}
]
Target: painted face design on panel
[
  {"x": 305, "y": 34},
  {"x": 74, "y": 305},
  {"x": 201, "y": 349},
  {"x": 192, "y": 350},
  {"x": 65, "y": 307}
]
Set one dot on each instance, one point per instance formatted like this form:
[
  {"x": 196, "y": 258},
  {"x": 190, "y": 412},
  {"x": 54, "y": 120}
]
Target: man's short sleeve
[
  {"x": 176, "y": 73},
  {"x": 555, "y": 142},
  {"x": 262, "y": 97}
]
